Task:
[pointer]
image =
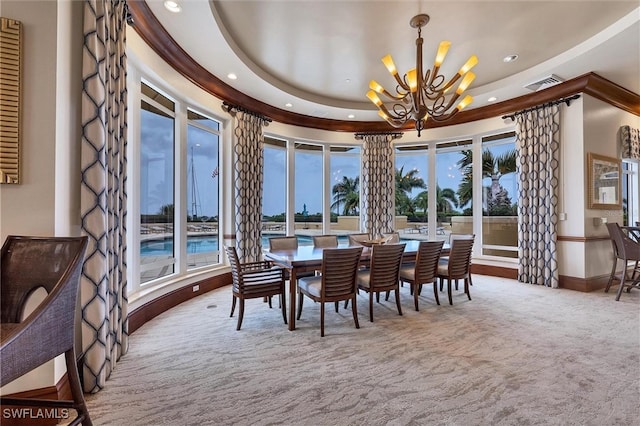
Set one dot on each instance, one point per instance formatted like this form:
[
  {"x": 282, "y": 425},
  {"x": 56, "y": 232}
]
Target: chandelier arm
[
  {"x": 445, "y": 117},
  {"x": 451, "y": 82}
]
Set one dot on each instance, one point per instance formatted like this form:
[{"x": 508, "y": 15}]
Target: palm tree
[
  {"x": 492, "y": 167},
  {"x": 404, "y": 184},
  {"x": 346, "y": 192},
  {"x": 446, "y": 201}
]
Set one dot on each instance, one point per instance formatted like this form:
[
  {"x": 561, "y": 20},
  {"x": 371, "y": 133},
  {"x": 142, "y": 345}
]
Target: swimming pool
[{"x": 207, "y": 244}]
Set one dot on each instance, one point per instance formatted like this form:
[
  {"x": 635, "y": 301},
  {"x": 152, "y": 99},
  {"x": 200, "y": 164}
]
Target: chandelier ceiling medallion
[{"x": 419, "y": 94}]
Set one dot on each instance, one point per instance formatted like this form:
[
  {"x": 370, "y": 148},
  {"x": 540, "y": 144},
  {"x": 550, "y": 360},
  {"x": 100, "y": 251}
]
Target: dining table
[{"x": 308, "y": 258}]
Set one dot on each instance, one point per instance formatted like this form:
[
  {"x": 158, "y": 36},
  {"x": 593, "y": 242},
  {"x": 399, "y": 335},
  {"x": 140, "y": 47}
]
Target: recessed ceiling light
[
  {"x": 492, "y": 99},
  {"x": 288, "y": 104},
  {"x": 351, "y": 116},
  {"x": 510, "y": 58},
  {"x": 172, "y": 6},
  {"x": 232, "y": 76}
]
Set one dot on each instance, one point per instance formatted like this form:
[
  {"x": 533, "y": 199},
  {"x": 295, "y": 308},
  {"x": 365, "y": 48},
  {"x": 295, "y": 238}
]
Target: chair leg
[
  {"x": 300, "y": 300},
  {"x": 336, "y": 306},
  {"x": 624, "y": 276},
  {"x": 612, "y": 275},
  {"x": 435, "y": 291},
  {"x": 354, "y": 310},
  {"x": 371, "y": 304},
  {"x": 415, "y": 296},
  {"x": 378, "y": 297},
  {"x": 233, "y": 305},
  {"x": 386, "y": 297},
  {"x": 283, "y": 305},
  {"x": 467, "y": 283},
  {"x": 449, "y": 291},
  {"x": 322, "y": 319},
  {"x": 270, "y": 303},
  {"x": 397, "y": 291},
  {"x": 240, "y": 313},
  {"x": 76, "y": 389}
]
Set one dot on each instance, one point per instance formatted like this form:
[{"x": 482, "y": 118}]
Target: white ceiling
[{"x": 320, "y": 55}]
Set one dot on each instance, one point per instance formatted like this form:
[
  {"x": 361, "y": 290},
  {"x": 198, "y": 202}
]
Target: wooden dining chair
[
  {"x": 283, "y": 243},
  {"x": 382, "y": 273},
  {"x": 460, "y": 236},
  {"x": 336, "y": 282},
  {"x": 255, "y": 280},
  {"x": 323, "y": 241},
  {"x": 457, "y": 266},
  {"x": 424, "y": 270},
  {"x": 357, "y": 239},
  {"x": 626, "y": 250}
]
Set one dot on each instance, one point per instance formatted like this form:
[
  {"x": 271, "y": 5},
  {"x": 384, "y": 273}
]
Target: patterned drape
[
  {"x": 248, "y": 172},
  {"x": 630, "y": 141},
  {"x": 538, "y": 145},
  {"x": 377, "y": 187},
  {"x": 103, "y": 198}
]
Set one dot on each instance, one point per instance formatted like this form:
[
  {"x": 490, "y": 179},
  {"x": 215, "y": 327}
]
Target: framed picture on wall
[{"x": 605, "y": 182}]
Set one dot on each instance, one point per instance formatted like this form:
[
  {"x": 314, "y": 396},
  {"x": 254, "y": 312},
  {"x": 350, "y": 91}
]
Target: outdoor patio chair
[{"x": 30, "y": 339}]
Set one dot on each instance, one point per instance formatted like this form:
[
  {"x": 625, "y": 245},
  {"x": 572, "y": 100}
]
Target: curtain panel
[
  {"x": 103, "y": 199},
  {"x": 538, "y": 145},
  {"x": 248, "y": 184},
  {"x": 378, "y": 188},
  {"x": 630, "y": 141}
]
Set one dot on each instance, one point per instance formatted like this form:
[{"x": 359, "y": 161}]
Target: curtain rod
[
  {"x": 229, "y": 108},
  {"x": 394, "y": 135},
  {"x": 556, "y": 102}
]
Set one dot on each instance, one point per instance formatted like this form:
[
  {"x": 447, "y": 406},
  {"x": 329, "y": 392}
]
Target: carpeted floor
[{"x": 517, "y": 354}]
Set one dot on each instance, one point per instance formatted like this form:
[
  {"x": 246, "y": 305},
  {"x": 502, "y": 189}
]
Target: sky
[{"x": 202, "y": 161}]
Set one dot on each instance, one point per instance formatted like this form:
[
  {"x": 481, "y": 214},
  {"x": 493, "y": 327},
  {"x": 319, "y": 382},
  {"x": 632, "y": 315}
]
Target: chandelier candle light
[{"x": 422, "y": 95}]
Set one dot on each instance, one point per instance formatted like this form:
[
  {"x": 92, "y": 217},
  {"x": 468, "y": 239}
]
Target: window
[
  {"x": 411, "y": 177},
  {"x": 157, "y": 195},
  {"x": 202, "y": 191},
  {"x": 345, "y": 188},
  {"x": 274, "y": 194},
  {"x": 630, "y": 192},
  {"x": 499, "y": 196},
  {"x": 454, "y": 183},
  {"x": 308, "y": 200},
  {"x": 178, "y": 192}
]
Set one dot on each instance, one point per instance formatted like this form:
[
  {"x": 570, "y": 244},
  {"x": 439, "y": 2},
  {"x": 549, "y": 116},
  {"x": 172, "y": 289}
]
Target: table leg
[{"x": 293, "y": 284}]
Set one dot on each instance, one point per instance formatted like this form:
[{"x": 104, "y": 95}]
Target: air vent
[{"x": 543, "y": 83}]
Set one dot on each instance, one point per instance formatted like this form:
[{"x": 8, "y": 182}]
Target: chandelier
[{"x": 421, "y": 95}]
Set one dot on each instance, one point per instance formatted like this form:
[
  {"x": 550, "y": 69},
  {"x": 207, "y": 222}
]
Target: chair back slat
[
  {"x": 385, "y": 265},
  {"x": 427, "y": 260},
  {"x": 339, "y": 269}
]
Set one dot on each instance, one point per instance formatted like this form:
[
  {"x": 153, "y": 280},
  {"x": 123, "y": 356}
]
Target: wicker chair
[
  {"x": 626, "y": 250},
  {"x": 337, "y": 281},
  {"x": 424, "y": 270},
  {"x": 383, "y": 273},
  {"x": 325, "y": 241},
  {"x": 253, "y": 280},
  {"x": 55, "y": 264},
  {"x": 457, "y": 265}
]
